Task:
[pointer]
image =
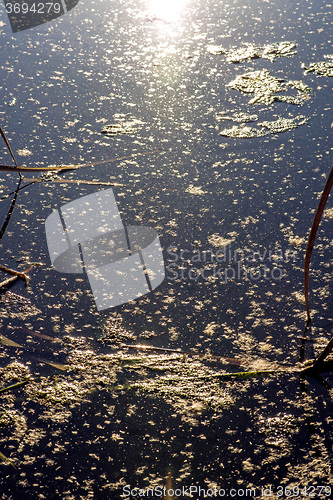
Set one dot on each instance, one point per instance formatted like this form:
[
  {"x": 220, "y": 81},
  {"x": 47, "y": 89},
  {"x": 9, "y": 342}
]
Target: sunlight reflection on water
[{"x": 169, "y": 11}]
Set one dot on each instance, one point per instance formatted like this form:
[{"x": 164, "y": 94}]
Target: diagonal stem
[
  {"x": 10, "y": 211},
  {"x": 311, "y": 240},
  {"x": 10, "y": 150}
]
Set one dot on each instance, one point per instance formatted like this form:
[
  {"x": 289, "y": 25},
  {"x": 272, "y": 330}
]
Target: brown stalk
[{"x": 311, "y": 240}]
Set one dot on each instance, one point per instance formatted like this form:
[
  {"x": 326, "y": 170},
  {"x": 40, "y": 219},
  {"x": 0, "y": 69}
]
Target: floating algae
[
  {"x": 243, "y": 132},
  {"x": 283, "y": 124},
  {"x": 277, "y": 428},
  {"x": 113, "y": 330},
  {"x": 150, "y": 405},
  {"x": 323, "y": 68},
  {"x": 16, "y": 306},
  {"x": 184, "y": 383},
  {"x": 268, "y": 127},
  {"x": 250, "y": 51},
  {"x": 218, "y": 241},
  {"x": 187, "y": 384},
  {"x": 196, "y": 190},
  {"x": 118, "y": 128},
  {"x": 235, "y": 55},
  {"x": 266, "y": 88},
  {"x": 13, "y": 372},
  {"x": 49, "y": 176},
  {"x": 237, "y": 117},
  {"x": 272, "y": 51},
  {"x": 121, "y": 126}
]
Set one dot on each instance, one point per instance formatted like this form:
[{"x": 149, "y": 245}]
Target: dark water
[{"x": 120, "y": 416}]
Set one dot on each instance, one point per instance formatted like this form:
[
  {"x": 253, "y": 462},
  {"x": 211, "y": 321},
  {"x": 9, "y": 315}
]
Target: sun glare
[{"x": 166, "y": 10}]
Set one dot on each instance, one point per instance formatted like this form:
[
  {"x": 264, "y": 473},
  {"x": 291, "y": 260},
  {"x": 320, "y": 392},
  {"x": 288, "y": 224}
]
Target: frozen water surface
[{"x": 152, "y": 84}]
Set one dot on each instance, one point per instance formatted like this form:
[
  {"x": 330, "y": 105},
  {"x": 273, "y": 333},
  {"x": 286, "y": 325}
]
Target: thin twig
[
  {"x": 19, "y": 189},
  {"x": 74, "y": 181},
  {"x": 66, "y": 168}
]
